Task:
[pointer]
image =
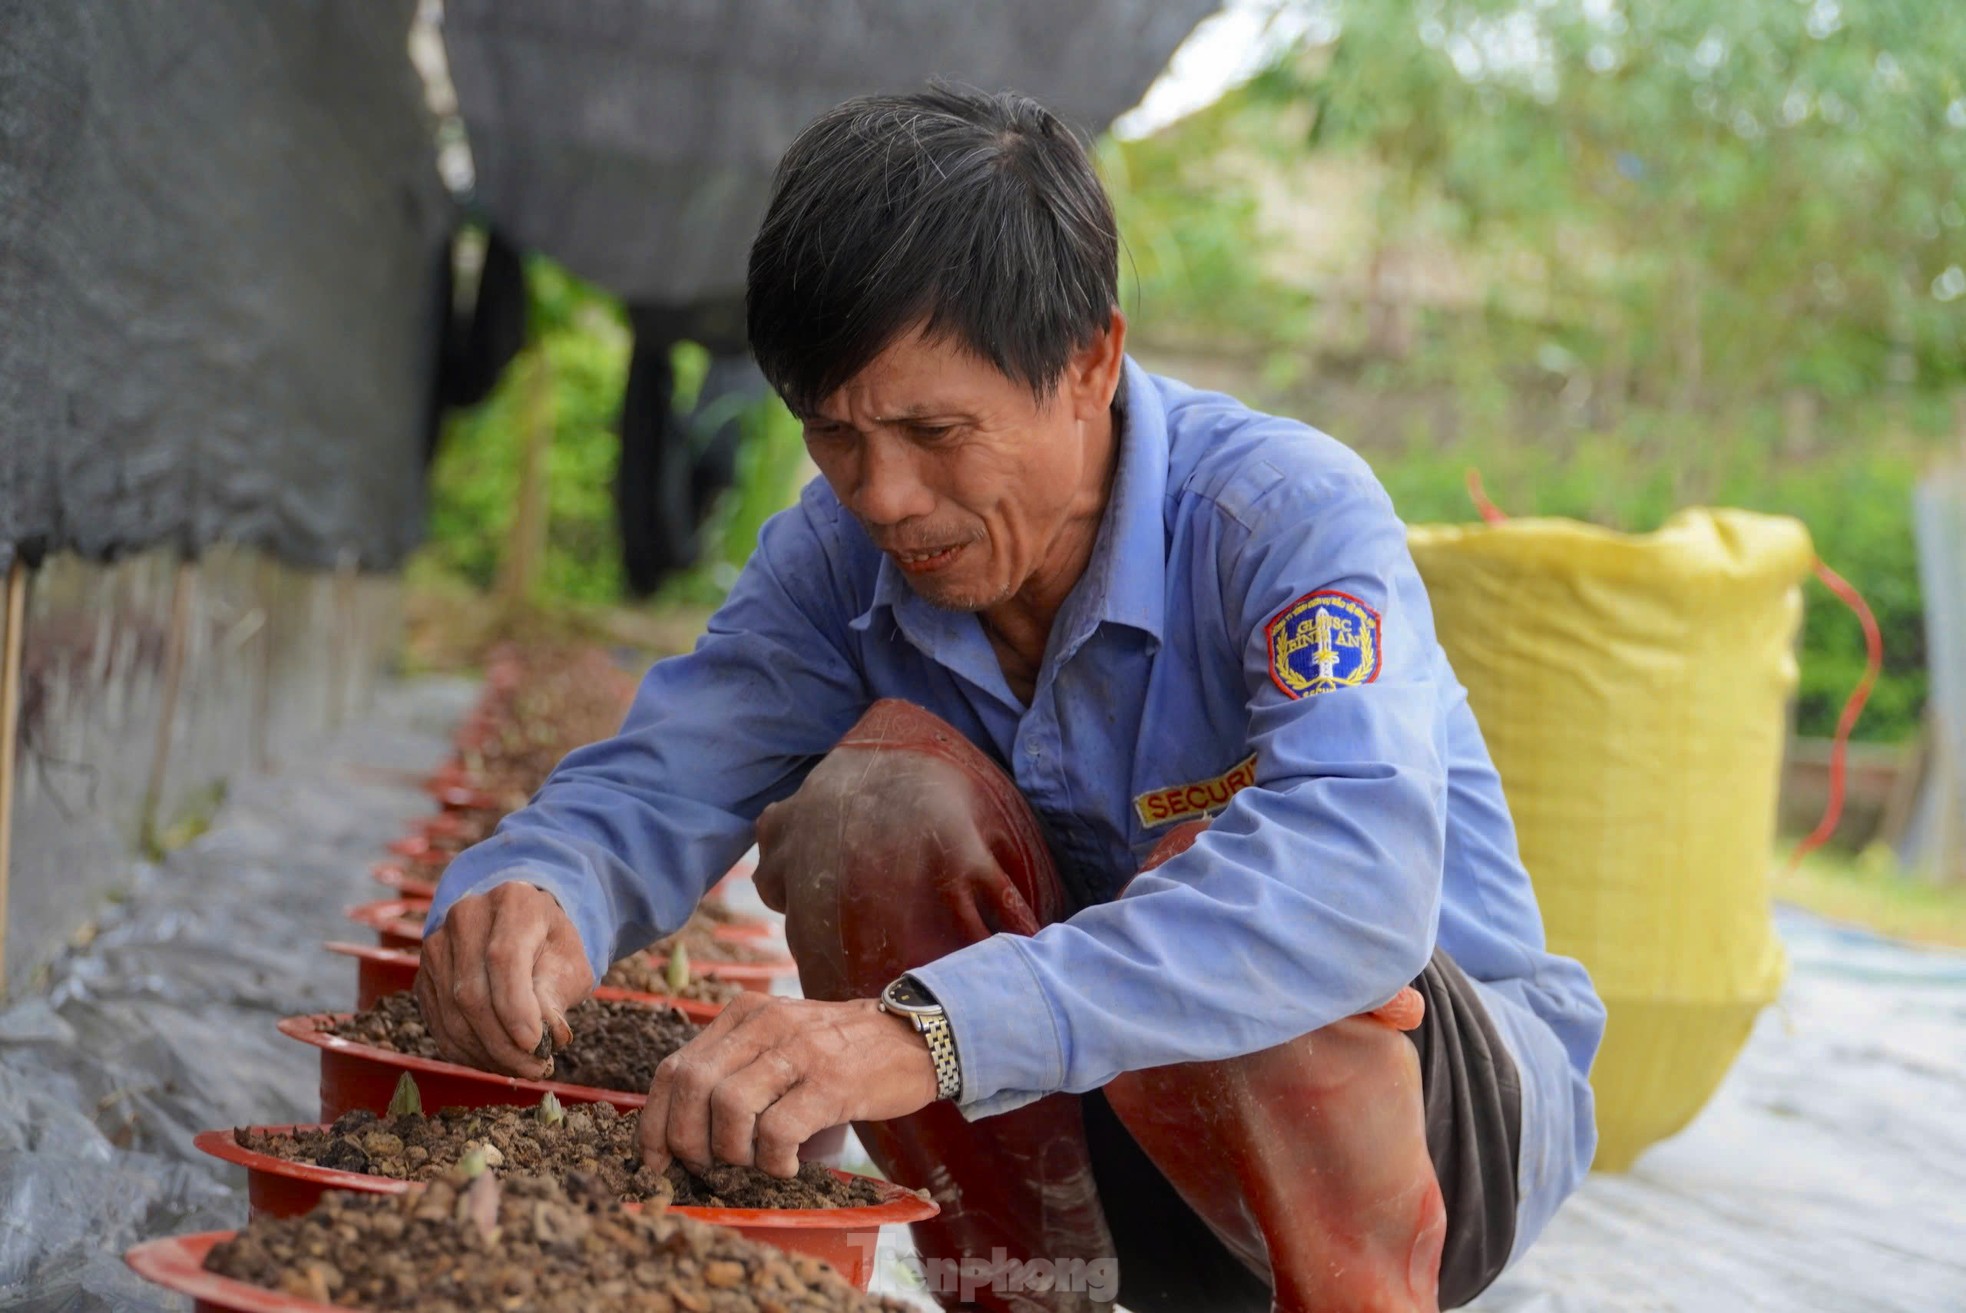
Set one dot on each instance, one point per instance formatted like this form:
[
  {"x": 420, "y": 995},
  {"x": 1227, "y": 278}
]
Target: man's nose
[{"x": 891, "y": 489}]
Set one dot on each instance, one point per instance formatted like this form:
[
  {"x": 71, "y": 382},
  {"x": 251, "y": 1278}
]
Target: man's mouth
[{"x": 926, "y": 560}]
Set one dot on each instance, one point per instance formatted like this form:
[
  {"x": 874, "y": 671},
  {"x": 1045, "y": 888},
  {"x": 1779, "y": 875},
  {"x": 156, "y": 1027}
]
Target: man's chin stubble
[{"x": 958, "y": 599}]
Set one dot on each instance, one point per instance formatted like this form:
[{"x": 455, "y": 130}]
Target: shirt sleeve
[
  {"x": 630, "y": 832},
  {"x": 1315, "y": 894}
]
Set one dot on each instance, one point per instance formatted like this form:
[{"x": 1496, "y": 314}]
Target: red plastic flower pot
[
  {"x": 748, "y": 928},
  {"x": 380, "y": 972},
  {"x": 362, "y": 1076},
  {"x": 844, "y": 1237},
  {"x": 453, "y": 774},
  {"x": 178, "y": 1263},
  {"x": 754, "y": 976},
  {"x": 466, "y": 797},
  {"x": 736, "y": 874},
  {"x": 390, "y": 875},
  {"x": 397, "y": 922},
  {"x": 412, "y": 884},
  {"x": 424, "y": 854},
  {"x": 277, "y": 1187},
  {"x": 441, "y": 826}
]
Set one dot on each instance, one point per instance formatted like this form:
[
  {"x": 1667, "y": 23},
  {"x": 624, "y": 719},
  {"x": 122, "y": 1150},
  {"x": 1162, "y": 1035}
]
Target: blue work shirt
[{"x": 1250, "y": 640}]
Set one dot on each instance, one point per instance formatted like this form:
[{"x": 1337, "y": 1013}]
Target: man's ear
[{"x": 1094, "y": 373}]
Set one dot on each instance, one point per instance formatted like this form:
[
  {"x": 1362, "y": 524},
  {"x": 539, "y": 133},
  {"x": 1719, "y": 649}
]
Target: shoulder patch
[{"x": 1323, "y": 641}]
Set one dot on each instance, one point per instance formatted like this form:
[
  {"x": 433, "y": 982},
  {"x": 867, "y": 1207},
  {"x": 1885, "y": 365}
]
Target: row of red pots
[{"x": 360, "y": 1076}]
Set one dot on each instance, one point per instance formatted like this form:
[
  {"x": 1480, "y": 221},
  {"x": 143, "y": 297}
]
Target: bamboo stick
[
  {"x": 12, "y": 640},
  {"x": 160, "y": 759}
]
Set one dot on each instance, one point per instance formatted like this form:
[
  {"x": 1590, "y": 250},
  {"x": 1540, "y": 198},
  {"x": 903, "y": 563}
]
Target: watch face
[{"x": 905, "y": 993}]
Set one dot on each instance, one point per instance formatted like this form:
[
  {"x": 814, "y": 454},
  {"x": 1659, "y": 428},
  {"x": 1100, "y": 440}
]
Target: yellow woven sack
[{"x": 1633, "y": 690}]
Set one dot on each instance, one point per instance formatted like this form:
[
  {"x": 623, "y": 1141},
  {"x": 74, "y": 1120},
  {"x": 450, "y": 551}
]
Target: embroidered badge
[
  {"x": 1323, "y": 641},
  {"x": 1186, "y": 802}
]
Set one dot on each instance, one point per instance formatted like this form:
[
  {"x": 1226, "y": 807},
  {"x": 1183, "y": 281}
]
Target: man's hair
[{"x": 976, "y": 216}]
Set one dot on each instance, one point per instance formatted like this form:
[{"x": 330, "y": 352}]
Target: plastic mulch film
[{"x": 160, "y": 1024}]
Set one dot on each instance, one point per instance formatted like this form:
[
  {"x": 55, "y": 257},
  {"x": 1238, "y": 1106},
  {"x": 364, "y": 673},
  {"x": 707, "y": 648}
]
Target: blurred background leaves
[{"x": 1619, "y": 257}]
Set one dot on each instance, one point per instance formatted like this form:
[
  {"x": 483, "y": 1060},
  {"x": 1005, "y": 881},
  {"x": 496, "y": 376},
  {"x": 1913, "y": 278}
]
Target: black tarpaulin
[
  {"x": 633, "y": 140},
  {"x": 220, "y": 228}
]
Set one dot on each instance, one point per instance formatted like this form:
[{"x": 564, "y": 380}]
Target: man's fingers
[
  {"x": 436, "y": 982},
  {"x": 510, "y": 960},
  {"x": 560, "y": 979},
  {"x": 728, "y": 1044},
  {"x": 446, "y": 955},
  {"x": 803, "y": 1111},
  {"x": 653, "y": 1130},
  {"x": 739, "y": 1098},
  {"x": 482, "y": 1033},
  {"x": 485, "y": 994}
]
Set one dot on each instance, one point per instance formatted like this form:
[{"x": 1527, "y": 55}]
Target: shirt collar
[{"x": 1125, "y": 581}]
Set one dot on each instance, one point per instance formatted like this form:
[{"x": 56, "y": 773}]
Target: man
[{"x": 978, "y": 697}]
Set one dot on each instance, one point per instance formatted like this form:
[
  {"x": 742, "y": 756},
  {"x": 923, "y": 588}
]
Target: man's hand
[
  {"x": 504, "y": 965},
  {"x": 769, "y": 1073}
]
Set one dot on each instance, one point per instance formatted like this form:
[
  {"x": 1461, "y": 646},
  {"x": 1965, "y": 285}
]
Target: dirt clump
[
  {"x": 593, "y": 1139},
  {"x": 616, "y": 1045},
  {"x": 461, "y": 1245}
]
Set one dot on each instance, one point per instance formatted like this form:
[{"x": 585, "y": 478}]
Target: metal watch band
[
  {"x": 935, "y": 1028},
  {"x": 932, "y": 1024}
]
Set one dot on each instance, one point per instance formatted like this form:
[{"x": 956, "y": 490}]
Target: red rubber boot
[
  {"x": 1308, "y": 1160},
  {"x": 903, "y": 845}
]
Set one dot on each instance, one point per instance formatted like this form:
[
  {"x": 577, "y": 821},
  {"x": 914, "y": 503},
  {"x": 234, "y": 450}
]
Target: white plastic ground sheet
[
  {"x": 162, "y": 1025},
  {"x": 1829, "y": 1173}
]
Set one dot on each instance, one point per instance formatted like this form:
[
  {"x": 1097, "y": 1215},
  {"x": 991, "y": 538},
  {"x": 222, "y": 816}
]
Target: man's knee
[
  {"x": 904, "y": 844},
  {"x": 864, "y": 823}
]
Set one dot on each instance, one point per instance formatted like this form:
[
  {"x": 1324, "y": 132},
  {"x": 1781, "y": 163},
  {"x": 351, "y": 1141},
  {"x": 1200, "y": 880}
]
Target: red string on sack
[
  {"x": 1852, "y": 708},
  {"x": 1490, "y": 513}
]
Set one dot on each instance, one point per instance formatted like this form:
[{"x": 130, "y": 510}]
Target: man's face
[{"x": 960, "y": 475}]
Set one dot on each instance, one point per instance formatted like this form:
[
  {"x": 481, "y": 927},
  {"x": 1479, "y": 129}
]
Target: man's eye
[{"x": 932, "y": 432}]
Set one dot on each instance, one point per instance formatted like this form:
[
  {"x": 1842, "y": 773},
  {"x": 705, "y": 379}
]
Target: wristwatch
[{"x": 906, "y": 998}]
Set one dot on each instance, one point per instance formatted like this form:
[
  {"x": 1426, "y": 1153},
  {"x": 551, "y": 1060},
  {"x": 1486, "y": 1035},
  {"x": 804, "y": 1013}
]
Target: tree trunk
[{"x": 525, "y": 544}]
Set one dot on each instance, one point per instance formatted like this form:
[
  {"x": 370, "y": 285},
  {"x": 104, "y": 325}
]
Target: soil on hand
[
  {"x": 639, "y": 973},
  {"x": 616, "y": 1045},
  {"x": 525, "y": 1242},
  {"x": 593, "y": 1139}
]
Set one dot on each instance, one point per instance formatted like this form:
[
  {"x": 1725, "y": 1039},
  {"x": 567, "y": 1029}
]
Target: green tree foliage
[
  {"x": 474, "y": 484},
  {"x": 585, "y": 338},
  {"x": 1716, "y": 250},
  {"x": 1758, "y": 192}
]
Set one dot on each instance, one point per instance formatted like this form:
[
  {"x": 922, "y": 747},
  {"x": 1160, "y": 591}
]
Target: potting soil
[
  {"x": 718, "y": 912},
  {"x": 526, "y": 1242},
  {"x": 639, "y": 973},
  {"x": 700, "y": 939},
  {"x": 594, "y": 1139},
  {"x": 616, "y": 1045}
]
